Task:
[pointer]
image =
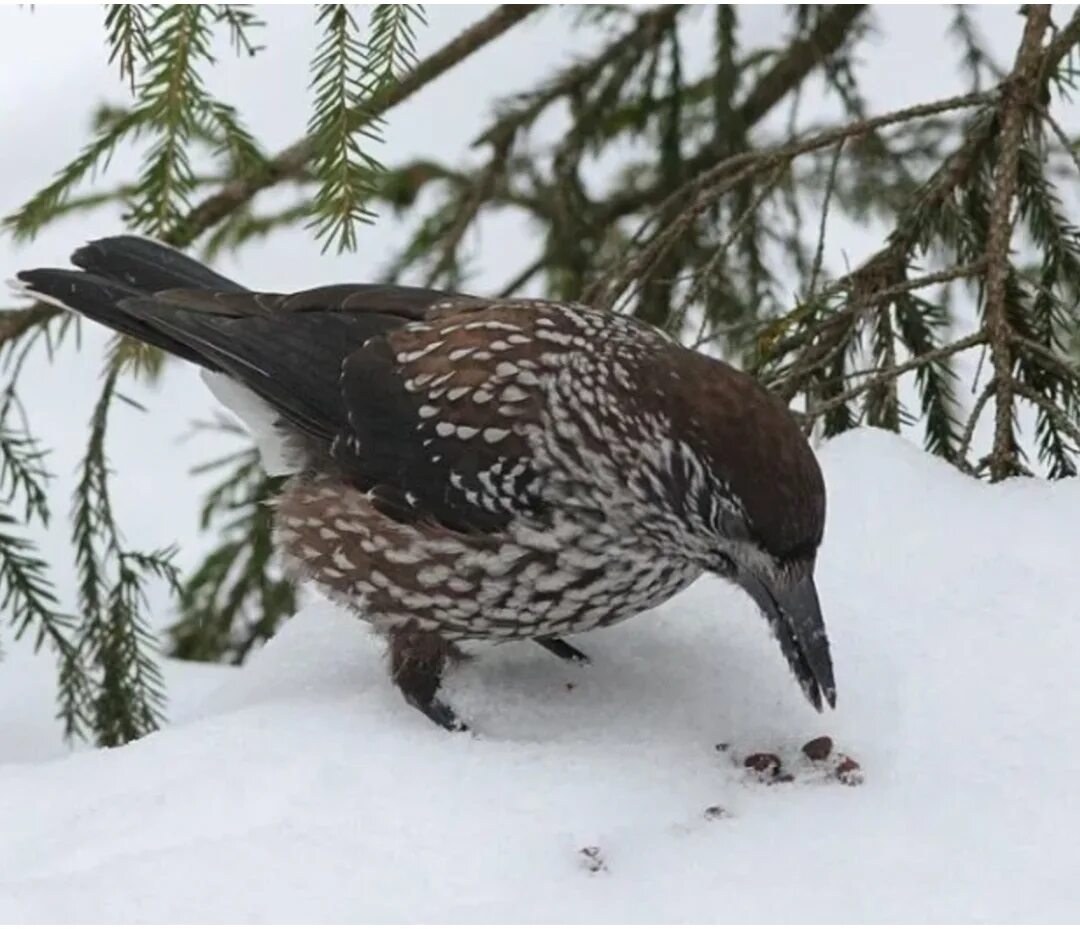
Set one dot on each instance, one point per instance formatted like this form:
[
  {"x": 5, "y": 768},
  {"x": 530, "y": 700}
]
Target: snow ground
[{"x": 302, "y": 788}]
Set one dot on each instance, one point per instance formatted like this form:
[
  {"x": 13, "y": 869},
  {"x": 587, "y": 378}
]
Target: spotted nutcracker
[{"x": 486, "y": 469}]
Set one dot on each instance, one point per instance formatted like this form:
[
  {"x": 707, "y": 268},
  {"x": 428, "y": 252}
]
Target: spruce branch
[
  {"x": 128, "y": 35},
  {"x": 241, "y": 21},
  {"x": 787, "y": 73},
  {"x": 48, "y": 202},
  {"x": 705, "y": 188},
  {"x": 887, "y": 375},
  {"x": 1020, "y": 93},
  {"x": 27, "y": 594},
  {"x": 172, "y": 101},
  {"x": 236, "y": 598},
  {"x": 523, "y": 111},
  {"x": 295, "y": 159},
  {"x": 125, "y": 698},
  {"x": 343, "y": 167}
]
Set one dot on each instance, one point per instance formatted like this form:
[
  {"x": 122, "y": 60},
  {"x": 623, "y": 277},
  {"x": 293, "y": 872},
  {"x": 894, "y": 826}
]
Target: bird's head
[
  {"x": 784, "y": 591},
  {"x": 750, "y": 487}
]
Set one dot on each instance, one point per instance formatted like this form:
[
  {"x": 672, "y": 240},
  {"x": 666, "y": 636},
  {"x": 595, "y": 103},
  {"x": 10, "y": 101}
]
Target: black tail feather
[
  {"x": 292, "y": 359},
  {"x": 146, "y": 265},
  {"x": 98, "y": 299}
]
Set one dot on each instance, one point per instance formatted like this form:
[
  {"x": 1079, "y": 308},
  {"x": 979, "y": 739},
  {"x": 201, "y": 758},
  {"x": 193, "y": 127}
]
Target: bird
[{"x": 465, "y": 469}]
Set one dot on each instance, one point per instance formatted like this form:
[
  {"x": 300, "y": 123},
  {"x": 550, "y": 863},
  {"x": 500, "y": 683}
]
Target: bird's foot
[
  {"x": 438, "y": 712},
  {"x": 563, "y": 649},
  {"x": 417, "y": 663}
]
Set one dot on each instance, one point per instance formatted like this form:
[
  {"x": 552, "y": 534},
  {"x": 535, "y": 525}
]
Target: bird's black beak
[{"x": 790, "y": 603}]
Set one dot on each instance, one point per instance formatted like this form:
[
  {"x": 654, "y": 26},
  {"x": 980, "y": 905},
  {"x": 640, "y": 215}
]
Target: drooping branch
[
  {"x": 579, "y": 75},
  {"x": 889, "y": 375},
  {"x": 1020, "y": 91},
  {"x": 705, "y": 188},
  {"x": 292, "y": 160},
  {"x": 800, "y": 58}
]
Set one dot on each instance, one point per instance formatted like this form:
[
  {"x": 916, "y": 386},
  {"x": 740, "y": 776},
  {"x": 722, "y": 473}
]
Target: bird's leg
[
  {"x": 563, "y": 649},
  {"x": 417, "y": 662}
]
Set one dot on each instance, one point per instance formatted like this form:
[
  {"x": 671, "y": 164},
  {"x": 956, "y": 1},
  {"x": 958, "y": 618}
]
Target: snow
[{"x": 301, "y": 788}]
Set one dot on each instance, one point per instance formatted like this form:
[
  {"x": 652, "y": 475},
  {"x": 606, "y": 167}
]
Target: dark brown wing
[
  {"x": 419, "y": 394},
  {"x": 440, "y": 411}
]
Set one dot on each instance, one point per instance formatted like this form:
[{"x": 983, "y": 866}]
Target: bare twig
[
  {"x": 972, "y": 422},
  {"x": 819, "y": 253}
]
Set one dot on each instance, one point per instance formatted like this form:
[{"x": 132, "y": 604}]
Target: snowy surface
[{"x": 302, "y": 788}]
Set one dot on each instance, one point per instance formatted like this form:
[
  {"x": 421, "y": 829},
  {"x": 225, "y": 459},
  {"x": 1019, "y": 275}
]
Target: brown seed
[
  {"x": 764, "y": 763},
  {"x": 818, "y": 749},
  {"x": 717, "y": 812},
  {"x": 849, "y": 772}
]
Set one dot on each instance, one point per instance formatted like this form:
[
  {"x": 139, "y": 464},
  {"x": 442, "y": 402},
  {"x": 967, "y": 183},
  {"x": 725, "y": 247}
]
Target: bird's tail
[
  {"x": 285, "y": 348},
  {"x": 120, "y": 268}
]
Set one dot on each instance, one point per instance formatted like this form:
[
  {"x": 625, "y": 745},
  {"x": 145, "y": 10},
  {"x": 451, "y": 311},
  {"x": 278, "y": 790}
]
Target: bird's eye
[{"x": 723, "y": 565}]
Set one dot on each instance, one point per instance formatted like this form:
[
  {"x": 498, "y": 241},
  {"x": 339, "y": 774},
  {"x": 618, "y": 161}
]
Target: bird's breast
[{"x": 573, "y": 571}]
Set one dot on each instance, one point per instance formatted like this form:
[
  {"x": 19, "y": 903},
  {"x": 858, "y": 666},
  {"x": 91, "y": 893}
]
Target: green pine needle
[
  {"x": 127, "y": 30},
  {"x": 347, "y": 74}
]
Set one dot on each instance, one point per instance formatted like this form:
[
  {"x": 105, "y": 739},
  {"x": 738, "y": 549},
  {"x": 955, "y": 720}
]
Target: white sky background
[{"x": 54, "y": 70}]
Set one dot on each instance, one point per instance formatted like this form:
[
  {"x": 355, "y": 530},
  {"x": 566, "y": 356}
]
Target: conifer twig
[
  {"x": 890, "y": 374},
  {"x": 1020, "y": 91},
  {"x": 293, "y": 159}
]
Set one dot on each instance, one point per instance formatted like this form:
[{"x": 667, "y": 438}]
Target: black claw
[
  {"x": 439, "y": 713},
  {"x": 564, "y": 650},
  {"x": 417, "y": 662}
]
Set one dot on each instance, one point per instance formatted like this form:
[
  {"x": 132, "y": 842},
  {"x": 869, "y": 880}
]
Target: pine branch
[
  {"x": 1019, "y": 95},
  {"x": 172, "y": 102},
  {"x": 235, "y": 599},
  {"x": 343, "y": 168},
  {"x": 27, "y": 594},
  {"x": 128, "y": 36},
  {"x": 241, "y": 21},
  {"x": 294, "y": 160},
  {"x": 48, "y": 202},
  {"x": 125, "y": 698},
  {"x": 580, "y": 76}
]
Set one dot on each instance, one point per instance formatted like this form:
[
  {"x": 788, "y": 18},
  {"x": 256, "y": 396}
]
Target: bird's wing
[
  {"x": 421, "y": 396},
  {"x": 440, "y": 415}
]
